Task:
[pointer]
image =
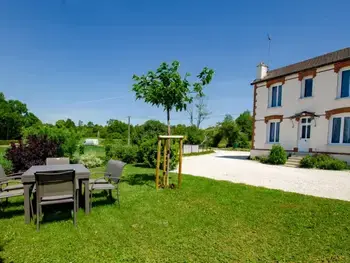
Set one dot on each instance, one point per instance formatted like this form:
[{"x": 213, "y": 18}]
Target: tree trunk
[{"x": 168, "y": 153}]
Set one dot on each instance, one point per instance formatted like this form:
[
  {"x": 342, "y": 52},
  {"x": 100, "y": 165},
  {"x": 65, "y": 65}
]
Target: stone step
[
  {"x": 293, "y": 162},
  {"x": 296, "y": 157},
  {"x": 291, "y": 165}
]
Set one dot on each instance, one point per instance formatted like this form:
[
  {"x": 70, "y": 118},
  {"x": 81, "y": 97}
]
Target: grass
[
  {"x": 3, "y": 149},
  {"x": 204, "y": 221},
  {"x": 199, "y": 153},
  {"x": 98, "y": 150}
]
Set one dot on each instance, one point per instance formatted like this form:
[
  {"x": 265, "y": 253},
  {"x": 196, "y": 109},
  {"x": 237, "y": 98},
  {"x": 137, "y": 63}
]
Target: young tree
[
  {"x": 202, "y": 111},
  {"x": 166, "y": 88}
]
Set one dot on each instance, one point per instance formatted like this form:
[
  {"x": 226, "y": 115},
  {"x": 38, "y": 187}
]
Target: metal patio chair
[
  {"x": 57, "y": 161},
  {"x": 55, "y": 187},
  {"x": 109, "y": 181},
  {"x": 14, "y": 179}
]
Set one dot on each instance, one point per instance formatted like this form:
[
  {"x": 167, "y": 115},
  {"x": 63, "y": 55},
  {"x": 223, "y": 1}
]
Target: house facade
[{"x": 304, "y": 107}]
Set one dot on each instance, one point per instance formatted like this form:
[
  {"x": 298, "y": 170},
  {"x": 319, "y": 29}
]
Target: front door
[{"x": 304, "y": 134}]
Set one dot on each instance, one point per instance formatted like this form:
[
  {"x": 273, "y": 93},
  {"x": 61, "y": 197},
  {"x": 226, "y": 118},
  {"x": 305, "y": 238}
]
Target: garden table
[{"x": 28, "y": 179}]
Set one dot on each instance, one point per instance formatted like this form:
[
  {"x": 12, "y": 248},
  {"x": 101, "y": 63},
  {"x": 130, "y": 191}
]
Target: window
[
  {"x": 276, "y": 96},
  {"x": 341, "y": 130},
  {"x": 305, "y": 128},
  {"x": 307, "y": 91},
  {"x": 345, "y": 84},
  {"x": 274, "y": 132}
]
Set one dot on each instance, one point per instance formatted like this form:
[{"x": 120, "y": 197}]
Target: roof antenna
[{"x": 269, "y": 50}]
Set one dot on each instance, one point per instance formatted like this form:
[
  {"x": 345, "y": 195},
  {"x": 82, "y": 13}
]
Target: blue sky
[{"x": 76, "y": 58}]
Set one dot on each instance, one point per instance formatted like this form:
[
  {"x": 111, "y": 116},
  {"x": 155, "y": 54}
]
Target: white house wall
[{"x": 324, "y": 97}]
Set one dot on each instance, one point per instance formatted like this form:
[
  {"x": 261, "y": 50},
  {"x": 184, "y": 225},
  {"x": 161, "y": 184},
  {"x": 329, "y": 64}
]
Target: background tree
[
  {"x": 245, "y": 123},
  {"x": 166, "y": 88},
  {"x": 202, "y": 111}
]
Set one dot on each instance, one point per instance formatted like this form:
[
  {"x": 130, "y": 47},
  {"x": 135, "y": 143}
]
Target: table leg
[
  {"x": 87, "y": 196},
  {"x": 80, "y": 194},
  {"x": 27, "y": 203}
]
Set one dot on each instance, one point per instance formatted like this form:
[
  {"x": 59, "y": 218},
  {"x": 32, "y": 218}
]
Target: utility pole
[{"x": 128, "y": 130}]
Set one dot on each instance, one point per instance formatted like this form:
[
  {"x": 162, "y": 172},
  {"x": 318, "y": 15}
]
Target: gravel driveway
[{"x": 234, "y": 167}]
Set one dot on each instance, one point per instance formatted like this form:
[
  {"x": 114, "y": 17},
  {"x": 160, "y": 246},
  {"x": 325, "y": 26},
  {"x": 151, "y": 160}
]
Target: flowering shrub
[{"x": 90, "y": 160}]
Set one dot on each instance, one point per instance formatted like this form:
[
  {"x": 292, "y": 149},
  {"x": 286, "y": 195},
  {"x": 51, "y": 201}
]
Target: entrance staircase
[{"x": 294, "y": 160}]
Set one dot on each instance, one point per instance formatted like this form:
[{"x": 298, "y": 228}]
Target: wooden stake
[
  {"x": 179, "y": 179},
  {"x": 158, "y": 162},
  {"x": 164, "y": 163}
]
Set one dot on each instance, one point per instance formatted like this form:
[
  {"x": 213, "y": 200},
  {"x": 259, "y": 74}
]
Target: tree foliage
[
  {"x": 14, "y": 116},
  {"x": 166, "y": 87}
]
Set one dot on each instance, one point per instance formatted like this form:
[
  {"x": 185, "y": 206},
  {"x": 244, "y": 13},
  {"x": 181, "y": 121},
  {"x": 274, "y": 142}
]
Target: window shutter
[
  {"x": 336, "y": 130},
  {"x": 279, "y": 95},
  {"x": 345, "y": 84},
  {"x": 346, "y": 134}
]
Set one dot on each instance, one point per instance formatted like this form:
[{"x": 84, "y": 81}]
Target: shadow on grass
[
  {"x": 7, "y": 214},
  {"x": 140, "y": 179},
  {"x": 141, "y": 165},
  {"x": 235, "y": 157}
]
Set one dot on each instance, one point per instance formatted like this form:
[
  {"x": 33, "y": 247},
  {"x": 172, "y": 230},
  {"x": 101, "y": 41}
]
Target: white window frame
[
  {"x": 268, "y": 132},
  {"x": 340, "y": 73},
  {"x": 302, "y": 93},
  {"x": 270, "y": 95},
  {"x": 342, "y": 122}
]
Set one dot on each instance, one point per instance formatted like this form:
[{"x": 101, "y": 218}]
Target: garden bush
[
  {"x": 125, "y": 153},
  {"x": 277, "y": 155},
  {"x": 91, "y": 160},
  {"x": 34, "y": 152},
  {"x": 81, "y": 148},
  {"x": 323, "y": 161},
  {"x": 223, "y": 143},
  {"x": 148, "y": 153},
  {"x": 66, "y": 139},
  {"x": 6, "y": 164},
  {"x": 308, "y": 162}
]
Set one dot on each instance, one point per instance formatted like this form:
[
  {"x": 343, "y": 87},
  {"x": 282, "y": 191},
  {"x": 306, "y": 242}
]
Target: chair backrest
[
  {"x": 54, "y": 183},
  {"x": 2, "y": 172},
  {"x": 57, "y": 161},
  {"x": 115, "y": 169}
]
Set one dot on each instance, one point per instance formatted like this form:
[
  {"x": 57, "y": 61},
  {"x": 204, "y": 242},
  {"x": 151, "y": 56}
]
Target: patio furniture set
[{"x": 58, "y": 182}]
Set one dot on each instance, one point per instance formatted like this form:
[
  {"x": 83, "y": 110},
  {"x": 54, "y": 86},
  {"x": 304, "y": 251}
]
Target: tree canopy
[{"x": 166, "y": 87}]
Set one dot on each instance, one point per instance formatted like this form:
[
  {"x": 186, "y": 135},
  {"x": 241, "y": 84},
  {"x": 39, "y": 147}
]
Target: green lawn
[
  {"x": 98, "y": 150},
  {"x": 3, "y": 149},
  {"x": 205, "y": 221}
]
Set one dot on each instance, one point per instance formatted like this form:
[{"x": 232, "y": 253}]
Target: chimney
[{"x": 261, "y": 70}]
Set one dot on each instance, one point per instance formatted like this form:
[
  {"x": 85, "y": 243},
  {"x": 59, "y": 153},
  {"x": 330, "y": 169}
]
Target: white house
[{"x": 305, "y": 107}]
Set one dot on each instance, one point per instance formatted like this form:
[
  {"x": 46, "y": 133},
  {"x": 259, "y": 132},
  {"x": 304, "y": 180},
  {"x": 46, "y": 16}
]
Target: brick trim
[
  {"x": 274, "y": 81},
  {"x": 254, "y": 114},
  {"x": 273, "y": 117},
  {"x": 329, "y": 113},
  {"x": 303, "y": 74},
  {"x": 339, "y": 65},
  {"x": 295, "y": 149}
]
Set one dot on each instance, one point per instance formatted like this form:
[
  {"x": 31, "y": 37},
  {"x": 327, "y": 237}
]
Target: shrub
[
  {"x": 323, "y": 161},
  {"x": 277, "y": 155},
  {"x": 6, "y": 164},
  {"x": 34, "y": 152},
  {"x": 90, "y": 160},
  {"x": 81, "y": 148},
  {"x": 308, "y": 162},
  {"x": 66, "y": 139},
  {"x": 223, "y": 143},
  {"x": 148, "y": 153},
  {"x": 242, "y": 141},
  {"x": 125, "y": 153}
]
